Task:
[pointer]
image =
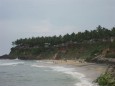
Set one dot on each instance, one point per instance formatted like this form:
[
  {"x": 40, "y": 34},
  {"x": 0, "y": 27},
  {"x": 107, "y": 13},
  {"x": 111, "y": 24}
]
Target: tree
[
  {"x": 113, "y": 31},
  {"x": 66, "y": 38}
]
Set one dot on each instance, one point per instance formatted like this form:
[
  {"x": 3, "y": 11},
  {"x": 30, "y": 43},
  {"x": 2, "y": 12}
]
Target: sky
[{"x": 32, "y": 18}]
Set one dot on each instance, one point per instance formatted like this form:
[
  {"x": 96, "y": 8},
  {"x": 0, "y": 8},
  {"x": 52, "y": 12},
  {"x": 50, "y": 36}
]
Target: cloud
[
  {"x": 21, "y": 29},
  {"x": 46, "y": 28},
  {"x": 27, "y": 18},
  {"x": 42, "y": 26}
]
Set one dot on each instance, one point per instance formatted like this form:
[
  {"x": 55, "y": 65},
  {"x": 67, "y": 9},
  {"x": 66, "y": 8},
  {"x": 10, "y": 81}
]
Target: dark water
[{"x": 37, "y": 73}]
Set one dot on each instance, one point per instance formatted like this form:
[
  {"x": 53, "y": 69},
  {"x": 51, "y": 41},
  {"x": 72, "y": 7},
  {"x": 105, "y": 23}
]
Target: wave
[
  {"x": 38, "y": 66},
  {"x": 83, "y": 81},
  {"x": 71, "y": 71},
  {"x": 49, "y": 62},
  {"x": 11, "y": 63}
]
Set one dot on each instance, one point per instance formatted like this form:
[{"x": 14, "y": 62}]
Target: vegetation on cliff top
[{"x": 100, "y": 33}]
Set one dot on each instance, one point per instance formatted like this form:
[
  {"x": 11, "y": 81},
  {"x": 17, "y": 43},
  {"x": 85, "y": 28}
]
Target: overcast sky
[{"x": 28, "y": 18}]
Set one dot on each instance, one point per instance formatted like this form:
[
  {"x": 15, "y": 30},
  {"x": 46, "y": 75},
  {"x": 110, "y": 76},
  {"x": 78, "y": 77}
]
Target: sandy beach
[
  {"x": 90, "y": 70},
  {"x": 64, "y": 73}
]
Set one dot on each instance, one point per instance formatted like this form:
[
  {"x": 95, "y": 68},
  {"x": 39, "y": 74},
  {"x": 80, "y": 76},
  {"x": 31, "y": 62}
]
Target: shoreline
[
  {"x": 85, "y": 72},
  {"x": 91, "y": 70}
]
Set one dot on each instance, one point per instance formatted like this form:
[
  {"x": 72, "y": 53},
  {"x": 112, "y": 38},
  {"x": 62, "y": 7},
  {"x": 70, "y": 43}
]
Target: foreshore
[{"x": 90, "y": 70}]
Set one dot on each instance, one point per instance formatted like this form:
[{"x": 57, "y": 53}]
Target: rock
[{"x": 5, "y": 57}]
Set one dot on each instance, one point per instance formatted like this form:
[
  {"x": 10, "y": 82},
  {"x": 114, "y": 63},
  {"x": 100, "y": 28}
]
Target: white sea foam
[
  {"x": 39, "y": 61},
  {"x": 49, "y": 62},
  {"x": 11, "y": 63},
  {"x": 34, "y": 65},
  {"x": 71, "y": 71},
  {"x": 83, "y": 81},
  {"x": 16, "y": 59}
]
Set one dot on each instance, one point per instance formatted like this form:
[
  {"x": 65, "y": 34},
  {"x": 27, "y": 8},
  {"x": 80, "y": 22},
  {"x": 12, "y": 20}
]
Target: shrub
[{"x": 106, "y": 80}]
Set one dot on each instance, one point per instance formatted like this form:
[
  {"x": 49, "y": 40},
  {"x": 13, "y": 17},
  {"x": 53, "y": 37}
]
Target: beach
[{"x": 90, "y": 70}]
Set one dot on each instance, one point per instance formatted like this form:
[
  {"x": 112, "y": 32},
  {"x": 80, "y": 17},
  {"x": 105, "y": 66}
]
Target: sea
[{"x": 40, "y": 73}]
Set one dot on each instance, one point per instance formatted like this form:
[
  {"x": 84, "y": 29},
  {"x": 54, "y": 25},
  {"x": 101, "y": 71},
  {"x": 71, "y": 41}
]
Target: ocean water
[{"x": 39, "y": 73}]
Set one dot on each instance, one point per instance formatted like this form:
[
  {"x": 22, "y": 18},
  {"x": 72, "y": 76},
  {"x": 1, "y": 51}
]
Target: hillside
[{"x": 88, "y": 45}]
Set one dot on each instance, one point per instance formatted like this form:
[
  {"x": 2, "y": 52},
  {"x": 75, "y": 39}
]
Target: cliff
[
  {"x": 95, "y": 45},
  {"x": 100, "y": 52}
]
